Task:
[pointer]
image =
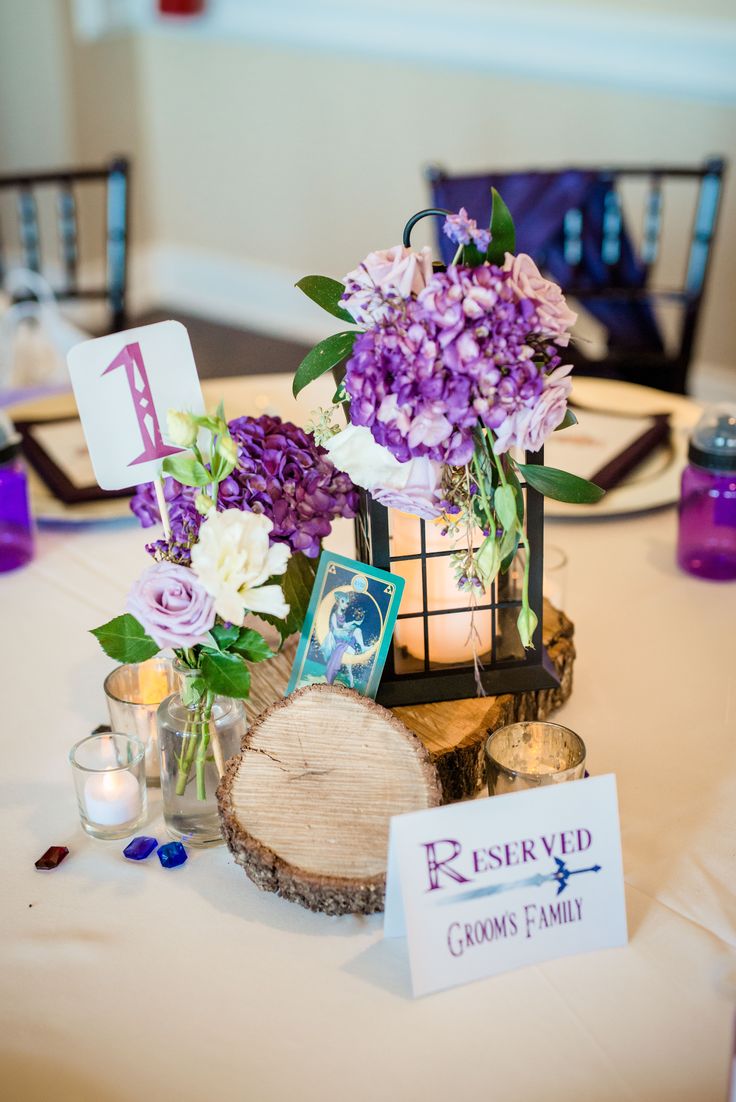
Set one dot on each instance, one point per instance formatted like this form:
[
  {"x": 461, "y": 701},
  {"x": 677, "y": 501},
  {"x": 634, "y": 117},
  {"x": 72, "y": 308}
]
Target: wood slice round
[
  {"x": 305, "y": 807},
  {"x": 454, "y": 731}
]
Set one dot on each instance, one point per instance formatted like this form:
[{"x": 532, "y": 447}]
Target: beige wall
[
  {"x": 308, "y": 160},
  {"x": 36, "y": 96}
]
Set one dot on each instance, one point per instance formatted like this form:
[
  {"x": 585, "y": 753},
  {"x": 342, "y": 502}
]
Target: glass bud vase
[{"x": 197, "y": 733}]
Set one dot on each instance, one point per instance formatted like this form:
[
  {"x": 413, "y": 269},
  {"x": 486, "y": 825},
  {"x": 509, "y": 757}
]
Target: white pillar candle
[
  {"x": 112, "y": 798},
  {"x": 449, "y": 636}
]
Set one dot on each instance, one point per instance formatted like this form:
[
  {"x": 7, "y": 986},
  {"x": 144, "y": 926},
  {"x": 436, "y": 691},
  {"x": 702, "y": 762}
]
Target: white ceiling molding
[{"x": 680, "y": 56}]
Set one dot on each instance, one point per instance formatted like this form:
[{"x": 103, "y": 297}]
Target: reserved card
[
  {"x": 124, "y": 385},
  {"x": 349, "y": 626},
  {"x": 488, "y": 885}
]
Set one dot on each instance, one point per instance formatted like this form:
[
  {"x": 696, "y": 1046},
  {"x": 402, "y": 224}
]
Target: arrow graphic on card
[{"x": 560, "y": 876}]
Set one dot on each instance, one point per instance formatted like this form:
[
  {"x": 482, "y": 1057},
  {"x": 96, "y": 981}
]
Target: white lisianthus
[
  {"x": 182, "y": 428},
  {"x": 354, "y": 451},
  {"x": 413, "y": 487},
  {"x": 232, "y": 559}
]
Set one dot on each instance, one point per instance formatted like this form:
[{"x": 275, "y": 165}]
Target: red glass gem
[
  {"x": 53, "y": 856},
  {"x": 180, "y": 7}
]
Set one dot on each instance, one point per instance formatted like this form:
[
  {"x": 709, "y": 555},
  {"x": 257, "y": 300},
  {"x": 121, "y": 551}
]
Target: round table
[{"x": 123, "y": 981}]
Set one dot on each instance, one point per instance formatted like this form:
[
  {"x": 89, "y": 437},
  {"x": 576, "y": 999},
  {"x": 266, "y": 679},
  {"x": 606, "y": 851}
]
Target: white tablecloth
[{"x": 125, "y": 981}]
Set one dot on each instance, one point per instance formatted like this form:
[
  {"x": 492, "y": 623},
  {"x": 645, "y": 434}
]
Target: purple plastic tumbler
[
  {"x": 707, "y": 535},
  {"x": 16, "y": 527}
]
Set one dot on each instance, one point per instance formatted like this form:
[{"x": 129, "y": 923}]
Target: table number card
[
  {"x": 124, "y": 385},
  {"x": 488, "y": 885}
]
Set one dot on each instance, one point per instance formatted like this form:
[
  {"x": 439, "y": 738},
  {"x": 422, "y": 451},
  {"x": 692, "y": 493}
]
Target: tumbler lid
[
  {"x": 713, "y": 443},
  {"x": 9, "y": 439}
]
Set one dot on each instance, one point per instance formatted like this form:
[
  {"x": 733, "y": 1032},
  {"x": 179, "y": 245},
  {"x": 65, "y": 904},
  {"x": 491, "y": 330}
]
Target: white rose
[
  {"x": 398, "y": 270},
  {"x": 354, "y": 451},
  {"x": 182, "y": 428},
  {"x": 232, "y": 559}
]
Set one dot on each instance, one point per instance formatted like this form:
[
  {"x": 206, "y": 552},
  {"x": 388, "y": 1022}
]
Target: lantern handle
[{"x": 417, "y": 217}]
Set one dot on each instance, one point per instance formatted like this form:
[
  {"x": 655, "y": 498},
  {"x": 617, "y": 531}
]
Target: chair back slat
[
  {"x": 572, "y": 228},
  {"x": 703, "y": 230},
  {"x": 68, "y": 233},
  {"x": 117, "y": 233},
  {"x": 611, "y": 236},
  {"x": 68, "y": 193},
  {"x": 28, "y": 226},
  {"x": 652, "y": 222}
]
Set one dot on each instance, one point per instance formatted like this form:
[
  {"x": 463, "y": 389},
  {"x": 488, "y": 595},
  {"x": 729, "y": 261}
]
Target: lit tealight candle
[
  {"x": 112, "y": 798},
  {"x": 451, "y": 637}
]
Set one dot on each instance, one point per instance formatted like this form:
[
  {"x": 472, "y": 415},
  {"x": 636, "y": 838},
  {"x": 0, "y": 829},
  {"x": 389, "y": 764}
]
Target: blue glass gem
[
  {"x": 140, "y": 848},
  {"x": 172, "y": 854}
]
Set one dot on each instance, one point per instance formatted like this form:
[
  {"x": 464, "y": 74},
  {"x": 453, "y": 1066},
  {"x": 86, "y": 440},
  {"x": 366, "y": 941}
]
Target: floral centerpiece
[
  {"x": 246, "y": 513},
  {"x": 452, "y": 375}
]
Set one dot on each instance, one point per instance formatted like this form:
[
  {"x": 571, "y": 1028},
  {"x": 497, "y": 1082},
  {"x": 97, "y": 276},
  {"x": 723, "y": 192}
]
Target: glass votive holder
[
  {"x": 554, "y": 576},
  {"x": 110, "y": 782},
  {"x": 134, "y": 693},
  {"x": 531, "y": 754}
]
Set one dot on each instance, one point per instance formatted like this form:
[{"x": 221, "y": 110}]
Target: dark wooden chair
[
  {"x": 575, "y": 225},
  {"x": 67, "y": 184}
]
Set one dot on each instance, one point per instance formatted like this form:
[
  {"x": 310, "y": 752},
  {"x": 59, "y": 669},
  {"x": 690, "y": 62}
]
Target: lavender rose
[
  {"x": 414, "y": 488},
  {"x": 555, "y": 315},
  {"x": 387, "y": 272},
  {"x": 172, "y": 606},
  {"x": 530, "y": 426}
]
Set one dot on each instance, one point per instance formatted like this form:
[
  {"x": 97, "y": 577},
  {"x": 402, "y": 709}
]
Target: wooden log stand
[{"x": 306, "y": 805}]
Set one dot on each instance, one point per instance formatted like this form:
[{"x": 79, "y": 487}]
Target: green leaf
[
  {"x": 512, "y": 479},
  {"x": 567, "y": 421},
  {"x": 509, "y": 546},
  {"x": 504, "y": 504},
  {"x": 472, "y": 256},
  {"x": 327, "y": 294},
  {"x": 251, "y": 646},
  {"x": 297, "y": 585},
  {"x": 192, "y": 691},
  {"x": 187, "y": 470},
  {"x": 340, "y": 395},
  {"x": 223, "y": 636},
  {"x": 125, "y": 640},
  {"x": 210, "y": 423},
  {"x": 560, "y": 485},
  {"x": 324, "y": 356},
  {"x": 226, "y": 674},
  {"x": 503, "y": 233}
]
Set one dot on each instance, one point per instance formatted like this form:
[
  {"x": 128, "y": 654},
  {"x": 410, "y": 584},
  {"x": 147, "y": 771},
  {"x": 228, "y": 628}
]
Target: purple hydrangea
[
  {"x": 463, "y": 349},
  {"x": 280, "y": 472}
]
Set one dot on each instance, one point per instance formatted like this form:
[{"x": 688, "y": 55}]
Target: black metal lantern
[{"x": 431, "y": 656}]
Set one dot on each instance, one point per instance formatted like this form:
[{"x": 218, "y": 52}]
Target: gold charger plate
[{"x": 656, "y": 482}]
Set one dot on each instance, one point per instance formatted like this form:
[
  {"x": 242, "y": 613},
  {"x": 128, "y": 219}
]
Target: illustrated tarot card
[{"x": 349, "y": 626}]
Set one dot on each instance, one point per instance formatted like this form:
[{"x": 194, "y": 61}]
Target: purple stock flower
[
  {"x": 462, "y": 229},
  {"x": 280, "y": 472}
]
